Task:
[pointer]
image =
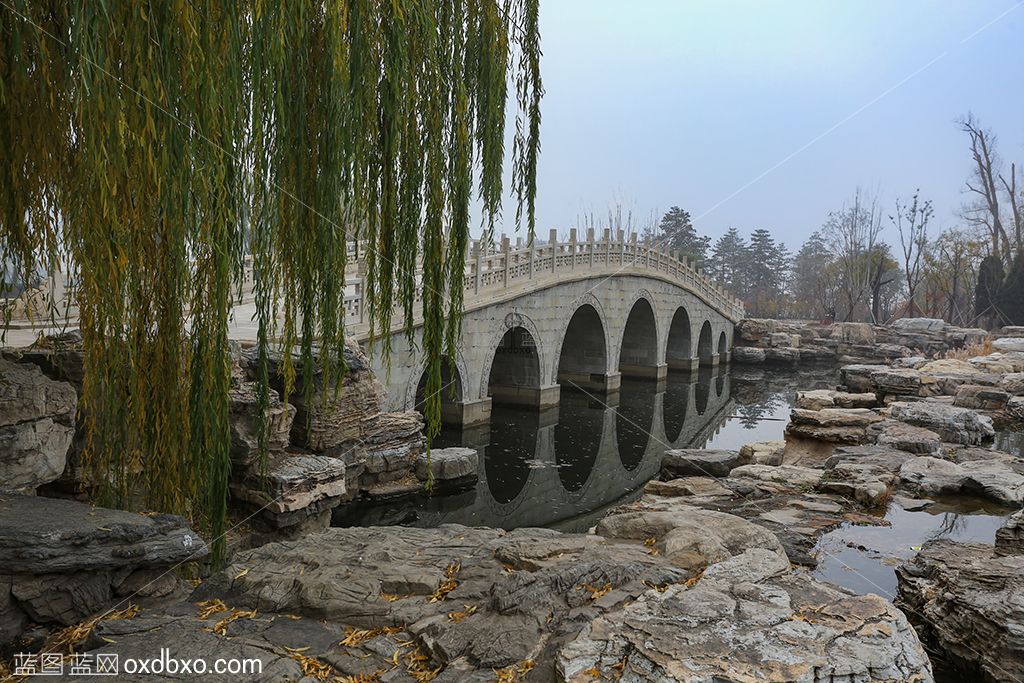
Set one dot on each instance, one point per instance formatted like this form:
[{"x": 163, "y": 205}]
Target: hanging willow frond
[{"x": 154, "y": 148}]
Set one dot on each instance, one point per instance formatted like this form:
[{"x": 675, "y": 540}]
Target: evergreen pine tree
[
  {"x": 677, "y": 230},
  {"x": 729, "y": 260}
]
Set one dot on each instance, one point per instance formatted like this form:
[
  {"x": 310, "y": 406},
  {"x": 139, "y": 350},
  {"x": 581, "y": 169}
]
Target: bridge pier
[
  {"x": 525, "y": 396},
  {"x": 658, "y": 371},
  {"x": 467, "y": 413},
  {"x": 596, "y": 382},
  {"x": 684, "y": 364},
  {"x": 711, "y": 361}
]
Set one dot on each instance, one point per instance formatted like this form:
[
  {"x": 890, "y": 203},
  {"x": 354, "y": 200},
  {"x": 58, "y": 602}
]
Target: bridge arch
[
  {"x": 638, "y": 349},
  {"x": 679, "y": 346},
  {"x": 452, "y": 392},
  {"x": 514, "y": 376},
  {"x": 705, "y": 350},
  {"x": 723, "y": 346},
  {"x": 583, "y": 352}
]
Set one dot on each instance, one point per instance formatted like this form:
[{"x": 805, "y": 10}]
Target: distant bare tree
[
  {"x": 912, "y": 223},
  {"x": 988, "y": 183},
  {"x": 854, "y": 232}
]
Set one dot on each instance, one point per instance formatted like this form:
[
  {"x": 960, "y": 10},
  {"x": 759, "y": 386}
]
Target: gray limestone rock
[
  {"x": 1010, "y": 536},
  {"x": 748, "y": 354},
  {"x": 749, "y": 625},
  {"x": 957, "y": 425},
  {"x": 37, "y": 425},
  {"x": 968, "y": 605},
  {"x": 695, "y": 462},
  {"x": 51, "y": 535},
  {"x": 834, "y": 425},
  {"x": 448, "y": 465},
  {"x": 908, "y": 438}
]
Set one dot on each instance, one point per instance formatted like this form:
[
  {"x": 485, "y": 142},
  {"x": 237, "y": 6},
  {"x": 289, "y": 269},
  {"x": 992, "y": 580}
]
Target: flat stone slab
[
  {"x": 747, "y": 620},
  {"x": 448, "y": 464},
  {"x": 52, "y": 535},
  {"x": 957, "y": 425},
  {"x": 695, "y": 462}
]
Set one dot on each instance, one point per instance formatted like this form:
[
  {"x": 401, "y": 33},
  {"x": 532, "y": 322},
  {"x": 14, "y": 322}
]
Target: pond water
[
  {"x": 863, "y": 559},
  {"x": 564, "y": 467}
]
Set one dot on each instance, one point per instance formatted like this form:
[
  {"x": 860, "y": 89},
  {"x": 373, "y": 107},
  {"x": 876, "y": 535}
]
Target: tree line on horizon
[{"x": 969, "y": 274}]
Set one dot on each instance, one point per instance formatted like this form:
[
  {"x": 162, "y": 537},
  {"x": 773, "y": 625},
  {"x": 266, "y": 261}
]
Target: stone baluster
[
  {"x": 572, "y": 248},
  {"x": 607, "y": 247},
  {"x": 620, "y": 237},
  {"x": 505, "y": 250},
  {"x": 590, "y": 246},
  {"x": 632, "y": 246},
  {"x": 478, "y": 256},
  {"x": 552, "y": 246}
]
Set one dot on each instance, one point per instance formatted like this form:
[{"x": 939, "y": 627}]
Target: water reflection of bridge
[{"x": 555, "y": 467}]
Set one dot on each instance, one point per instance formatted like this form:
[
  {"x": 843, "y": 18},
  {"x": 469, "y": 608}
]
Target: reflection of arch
[
  {"x": 512, "y": 445},
  {"x": 634, "y": 418},
  {"x": 583, "y": 352},
  {"x": 723, "y": 346},
  {"x": 639, "y": 348},
  {"x": 451, "y": 393},
  {"x": 577, "y": 441},
  {"x": 702, "y": 392},
  {"x": 704, "y": 349},
  {"x": 514, "y": 376},
  {"x": 675, "y": 404},
  {"x": 719, "y": 383}
]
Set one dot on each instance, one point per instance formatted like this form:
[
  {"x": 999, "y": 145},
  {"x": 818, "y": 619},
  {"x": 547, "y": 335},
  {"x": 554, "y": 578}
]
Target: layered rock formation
[
  {"x": 37, "y": 425},
  {"x": 61, "y": 561},
  {"x": 907, "y": 339}
]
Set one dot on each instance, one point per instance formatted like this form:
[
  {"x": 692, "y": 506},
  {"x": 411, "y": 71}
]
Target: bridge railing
[{"x": 493, "y": 269}]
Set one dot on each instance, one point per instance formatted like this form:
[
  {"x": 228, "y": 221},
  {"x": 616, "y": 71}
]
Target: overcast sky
[{"x": 769, "y": 114}]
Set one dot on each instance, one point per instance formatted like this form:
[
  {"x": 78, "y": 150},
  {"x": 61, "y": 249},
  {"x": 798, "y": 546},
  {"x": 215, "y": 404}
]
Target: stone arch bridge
[{"x": 556, "y": 314}]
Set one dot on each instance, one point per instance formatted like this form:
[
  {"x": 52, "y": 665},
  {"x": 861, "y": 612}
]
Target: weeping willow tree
[{"x": 151, "y": 149}]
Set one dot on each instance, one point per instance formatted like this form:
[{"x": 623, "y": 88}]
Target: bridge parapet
[{"x": 496, "y": 271}]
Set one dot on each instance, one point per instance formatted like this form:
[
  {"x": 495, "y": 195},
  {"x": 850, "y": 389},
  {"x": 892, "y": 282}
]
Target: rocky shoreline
[{"x": 708, "y": 576}]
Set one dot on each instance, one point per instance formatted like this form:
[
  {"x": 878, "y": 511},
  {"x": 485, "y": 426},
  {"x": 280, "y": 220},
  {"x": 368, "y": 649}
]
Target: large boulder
[
  {"x": 854, "y": 333},
  {"x": 37, "y": 425},
  {"x": 834, "y": 425},
  {"x": 747, "y": 619},
  {"x": 816, "y": 399},
  {"x": 1010, "y": 536},
  {"x": 979, "y": 397},
  {"x": 968, "y": 605},
  {"x": 245, "y": 421},
  {"x": 61, "y": 561},
  {"x": 483, "y": 596},
  {"x": 748, "y": 354},
  {"x": 753, "y": 329},
  {"x": 691, "y": 538},
  {"x": 448, "y": 466},
  {"x": 909, "y": 438},
  {"x": 763, "y": 452},
  {"x": 295, "y": 487},
  {"x": 919, "y": 324},
  {"x": 856, "y": 377},
  {"x": 868, "y": 484},
  {"x": 956, "y": 425},
  {"x": 695, "y": 462},
  {"x": 1007, "y": 344},
  {"x": 994, "y": 479},
  {"x": 902, "y": 381}
]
